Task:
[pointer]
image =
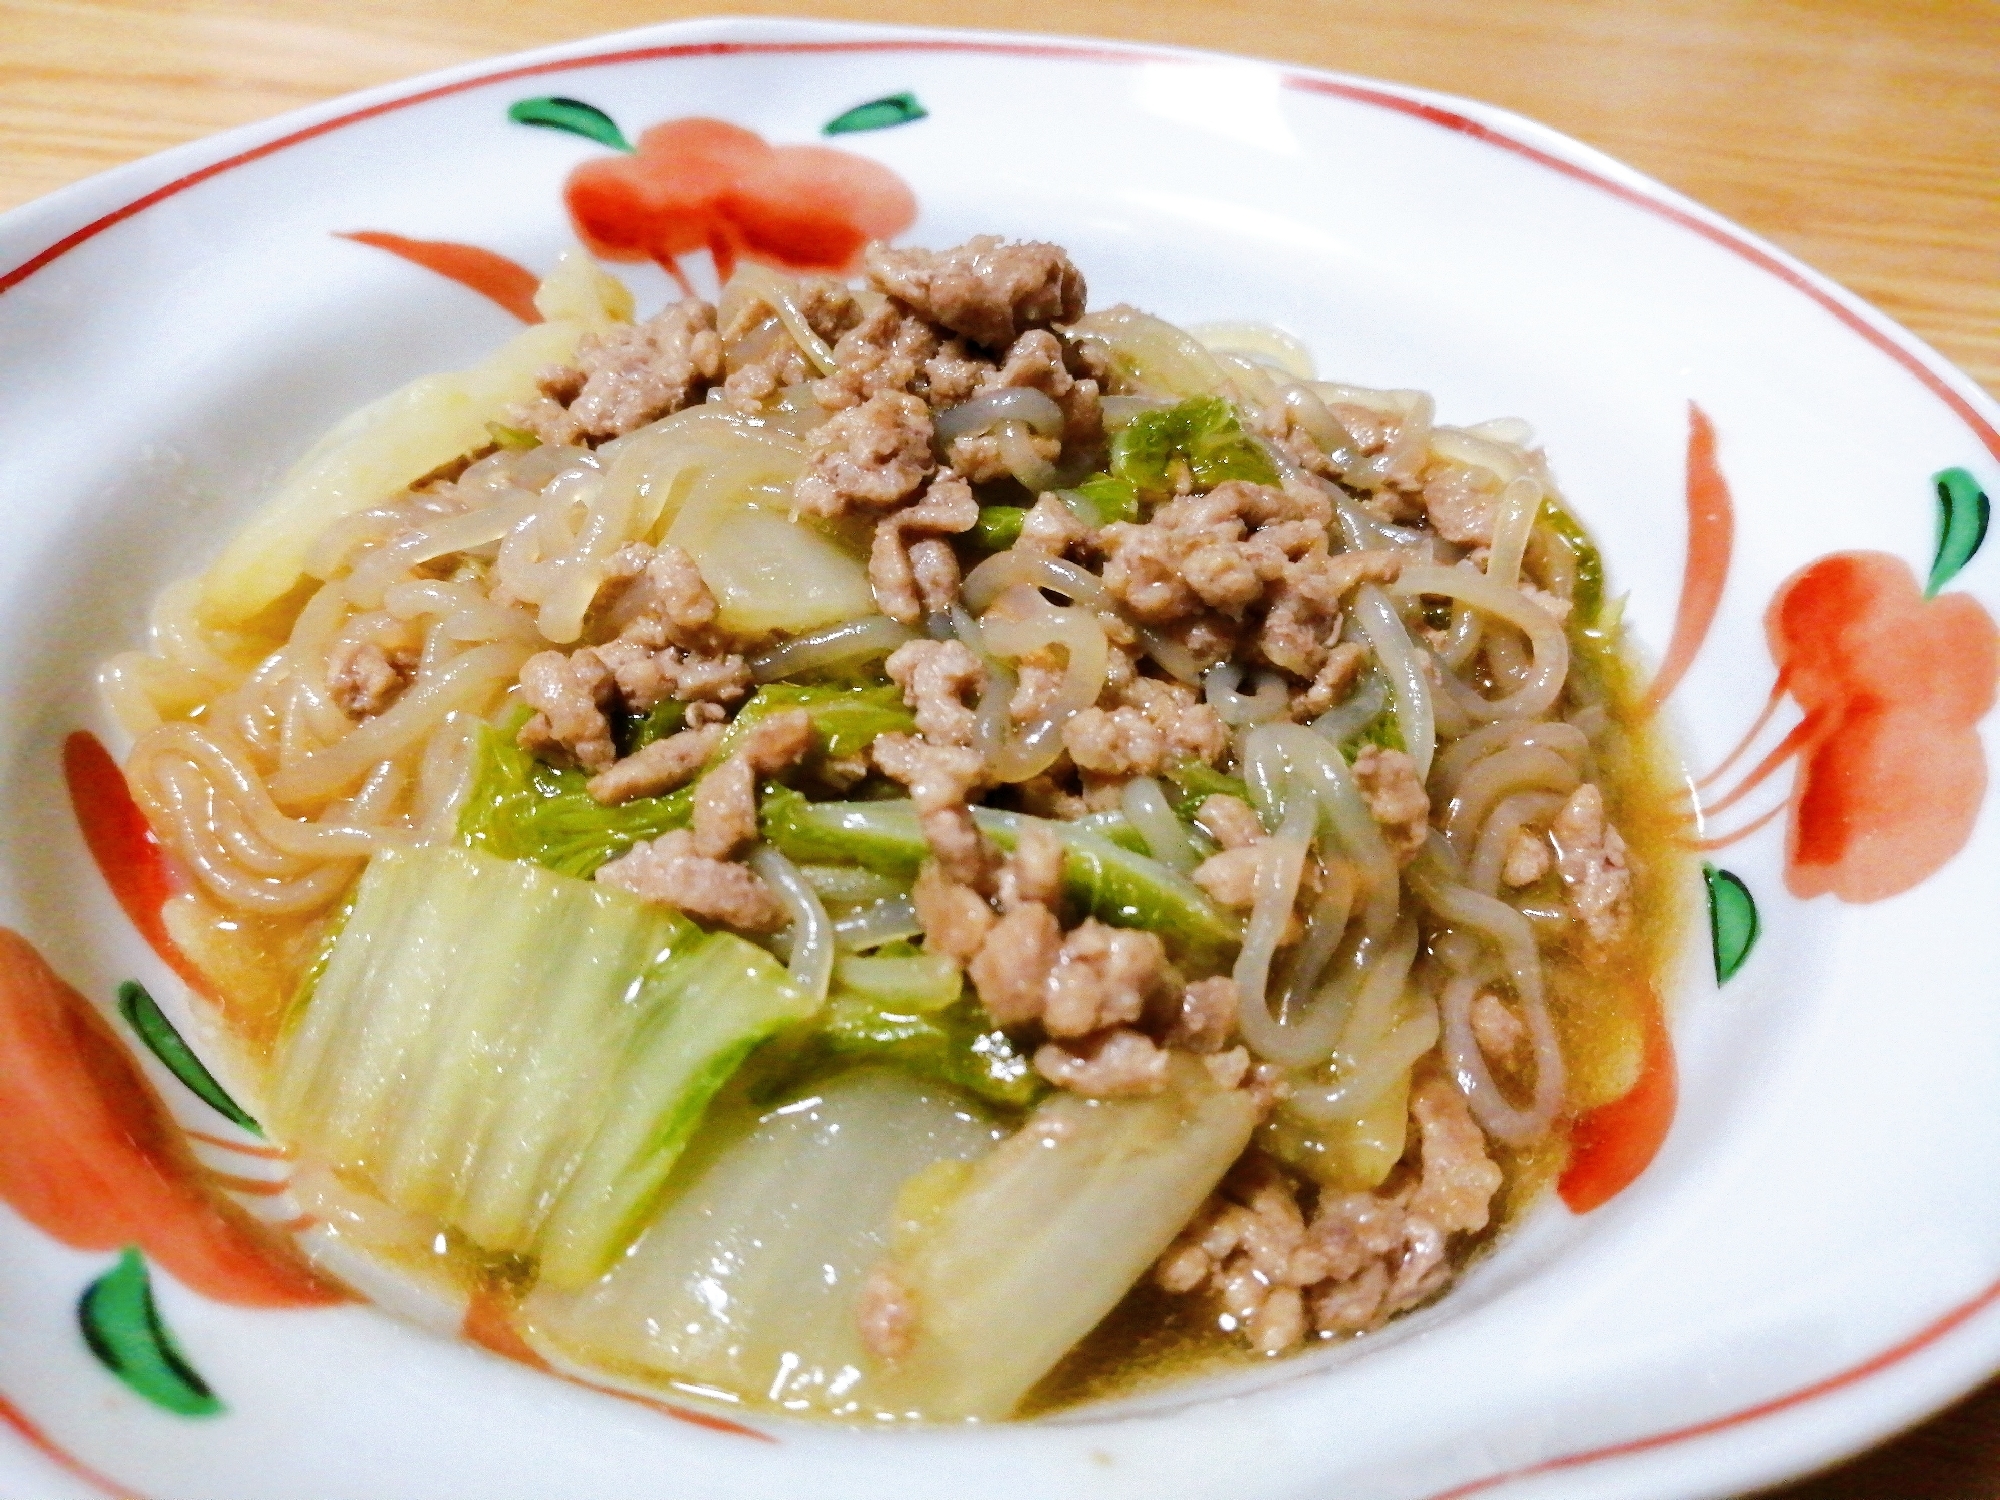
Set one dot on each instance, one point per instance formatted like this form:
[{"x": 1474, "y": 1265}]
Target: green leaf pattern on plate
[
  {"x": 572, "y": 115},
  {"x": 1733, "y": 924},
  {"x": 877, "y": 114},
  {"x": 142, "y": 1014},
  {"x": 1963, "y": 514},
  {"x": 123, "y": 1329}
]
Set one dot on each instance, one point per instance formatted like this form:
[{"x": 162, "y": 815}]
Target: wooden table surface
[{"x": 1862, "y": 135}]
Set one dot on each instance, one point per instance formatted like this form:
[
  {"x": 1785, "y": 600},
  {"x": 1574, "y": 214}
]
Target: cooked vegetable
[
  {"x": 919, "y": 982},
  {"x": 1109, "y": 882},
  {"x": 1050, "y": 1231},
  {"x": 998, "y": 527},
  {"x": 516, "y": 1053},
  {"x": 957, "y": 1044},
  {"x": 769, "y": 572},
  {"x": 400, "y": 438},
  {"x": 1102, "y": 499},
  {"x": 845, "y": 719},
  {"x": 1589, "y": 597},
  {"x": 519, "y": 807},
  {"x": 750, "y": 1279},
  {"x": 1200, "y": 439},
  {"x": 1199, "y": 782}
]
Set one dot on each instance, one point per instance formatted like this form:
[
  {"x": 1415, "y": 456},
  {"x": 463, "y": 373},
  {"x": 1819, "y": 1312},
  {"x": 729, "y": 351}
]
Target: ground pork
[
  {"x": 725, "y": 802},
  {"x": 629, "y": 376},
  {"x": 910, "y": 582},
  {"x": 668, "y": 643},
  {"x": 1051, "y": 527},
  {"x": 1114, "y": 742},
  {"x": 1461, "y": 502},
  {"x": 1501, "y": 1033},
  {"x": 1591, "y": 856},
  {"x": 886, "y": 351},
  {"x": 669, "y": 870},
  {"x": 1206, "y": 1017},
  {"x": 1456, "y": 1189},
  {"x": 1106, "y": 976},
  {"x": 657, "y": 768},
  {"x": 1190, "y": 728},
  {"x": 986, "y": 290},
  {"x": 1331, "y": 683},
  {"x": 941, "y": 779},
  {"x": 940, "y": 680},
  {"x": 886, "y": 1315},
  {"x": 1228, "y": 820},
  {"x": 1012, "y": 967},
  {"x": 868, "y": 457},
  {"x": 646, "y": 678},
  {"x": 1528, "y": 859},
  {"x": 569, "y": 695},
  {"x": 1244, "y": 552},
  {"x": 364, "y": 678},
  {"x": 1037, "y": 361},
  {"x": 955, "y": 918},
  {"x": 1118, "y": 1064},
  {"x": 1396, "y": 798},
  {"x": 665, "y": 600},
  {"x": 1230, "y": 877},
  {"x": 1360, "y": 1257},
  {"x": 1034, "y": 870},
  {"x": 750, "y": 386}
]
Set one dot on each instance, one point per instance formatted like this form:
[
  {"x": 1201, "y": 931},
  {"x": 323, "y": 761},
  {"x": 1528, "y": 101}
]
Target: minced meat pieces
[
  {"x": 1331, "y": 683},
  {"x": 869, "y": 457},
  {"x": 725, "y": 803},
  {"x": 1396, "y": 798},
  {"x": 1591, "y": 856},
  {"x": 1034, "y": 870},
  {"x": 1036, "y": 361},
  {"x": 1011, "y": 969},
  {"x": 646, "y": 678},
  {"x": 1230, "y": 821},
  {"x": 1528, "y": 858},
  {"x": 657, "y": 768},
  {"x": 986, "y": 290},
  {"x": 1103, "y": 977},
  {"x": 912, "y": 581},
  {"x": 885, "y": 352},
  {"x": 569, "y": 694},
  {"x": 1053, "y": 528},
  {"x": 364, "y": 678},
  {"x": 955, "y": 918},
  {"x": 941, "y": 779},
  {"x": 1206, "y": 1017},
  {"x": 1118, "y": 1064},
  {"x": 1114, "y": 742},
  {"x": 939, "y": 680},
  {"x": 1230, "y": 876},
  {"x": 671, "y": 871},
  {"x": 634, "y": 375}
]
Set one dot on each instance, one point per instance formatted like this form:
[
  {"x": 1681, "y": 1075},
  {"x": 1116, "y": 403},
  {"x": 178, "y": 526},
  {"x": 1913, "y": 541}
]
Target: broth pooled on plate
[{"x": 911, "y": 850}]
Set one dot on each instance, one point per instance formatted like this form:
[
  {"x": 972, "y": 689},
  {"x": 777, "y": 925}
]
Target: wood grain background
[{"x": 1861, "y": 135}]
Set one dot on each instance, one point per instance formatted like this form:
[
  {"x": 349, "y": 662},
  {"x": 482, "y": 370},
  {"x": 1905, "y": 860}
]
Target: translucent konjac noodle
[{"x": 1097, "y": 850}]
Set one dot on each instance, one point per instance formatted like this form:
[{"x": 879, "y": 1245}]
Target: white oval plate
[{"x": 1812, "y": 1259}]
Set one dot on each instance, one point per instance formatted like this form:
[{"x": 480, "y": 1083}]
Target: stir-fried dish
[{"x": 910, "y": 850}]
